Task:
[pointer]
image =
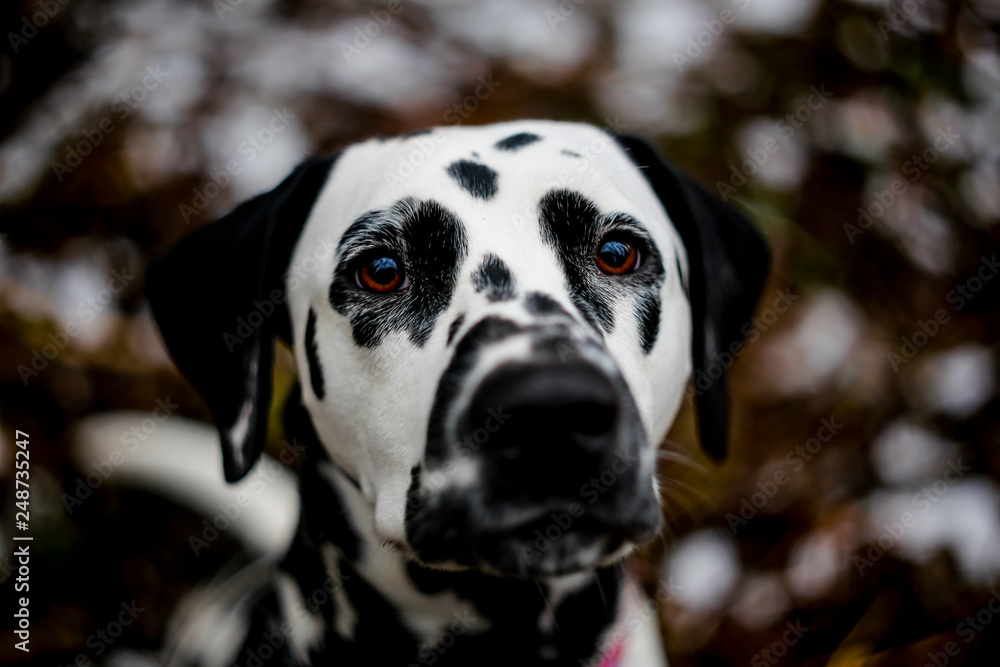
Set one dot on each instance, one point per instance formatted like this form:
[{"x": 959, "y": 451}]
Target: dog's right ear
[
  {"x": 218, "y": 275},
  {"x": 728, "y": 262}
]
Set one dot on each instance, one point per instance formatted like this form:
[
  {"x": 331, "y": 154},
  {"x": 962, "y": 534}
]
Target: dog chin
[
  {"x": 542, "y": 548},
  {"x": 522, "y": 557}
]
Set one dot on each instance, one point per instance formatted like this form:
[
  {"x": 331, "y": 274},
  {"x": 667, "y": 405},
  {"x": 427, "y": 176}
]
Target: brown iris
[
  {"x": 616, "y": 257},
  {"x": 382, "y": 274}
]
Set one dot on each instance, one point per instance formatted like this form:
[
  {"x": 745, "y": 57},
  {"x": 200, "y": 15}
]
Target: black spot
[
  {"x": 573, "y": 226},
  {"x": 415, "y": 133},
  {"x": 478, "y": 179},
  {"x": 430, "y": 240},
  {"x": 570, "y": 153},
  {"x": 493, "y": 277},
  {"x": 455, "y": 326},
  {"x": 414, "y": 502},
  {"x": 649, "y": 320},
  {"x": 315, "y": 369},
  {"x": 516, "y": 141},
  {"x": 542, "y": 304}
]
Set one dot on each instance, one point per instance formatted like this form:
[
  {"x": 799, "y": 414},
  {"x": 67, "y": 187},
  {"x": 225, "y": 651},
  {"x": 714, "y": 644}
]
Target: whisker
[
  {"x": 600, "y": 589},
  {"x": 552, "y": 613},
  {"x": 694, "y": 493}
]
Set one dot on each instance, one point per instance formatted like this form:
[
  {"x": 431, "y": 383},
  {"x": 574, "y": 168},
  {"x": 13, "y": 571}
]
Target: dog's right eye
[{"x": 381, "y": 274}]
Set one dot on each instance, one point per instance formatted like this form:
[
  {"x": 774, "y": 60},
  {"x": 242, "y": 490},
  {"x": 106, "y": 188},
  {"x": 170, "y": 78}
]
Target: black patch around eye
[
  {"x": 574, "y": 227},
  {"x": 516, "y": 141},
  {"x": 570, "y": 224},
  {"x": 493, "y": 277},
  {"x": 430, "y": 241},
  {"x": 312, "y": 356},
  {"x": 477, "y": 179},
  {"x": 570, "y": 153},
  {"x": 542, "y": 304},
  {"x": 455, "y": 326}
]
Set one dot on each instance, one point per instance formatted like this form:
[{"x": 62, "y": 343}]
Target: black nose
[{"x": 545, "y": 417}]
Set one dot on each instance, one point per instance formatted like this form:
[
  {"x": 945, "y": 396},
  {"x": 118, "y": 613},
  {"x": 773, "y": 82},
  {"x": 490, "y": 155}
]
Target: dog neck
[{"x": 378, "y": 602}]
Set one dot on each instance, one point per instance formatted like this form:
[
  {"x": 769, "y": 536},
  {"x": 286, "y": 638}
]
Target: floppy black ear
[
  {"x": 728, "y": 262},
  {"x": 203, "y": 292}
]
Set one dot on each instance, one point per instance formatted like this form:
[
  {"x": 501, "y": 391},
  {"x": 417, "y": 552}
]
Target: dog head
[{"x": 494, "y": 328}]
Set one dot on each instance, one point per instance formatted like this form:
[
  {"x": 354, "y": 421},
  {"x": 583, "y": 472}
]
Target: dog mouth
[
  {"x": 543, "y": 540},
  {"x": 556, "y": 544}
]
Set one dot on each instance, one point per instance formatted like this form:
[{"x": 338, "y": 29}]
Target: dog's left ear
[
  {"x": 728, "y": 262},
  {"x": 218, "y": 297}
]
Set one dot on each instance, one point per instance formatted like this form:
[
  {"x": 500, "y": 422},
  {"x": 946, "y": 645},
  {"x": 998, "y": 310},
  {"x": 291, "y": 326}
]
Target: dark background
[{"x": 114, "y": 116}]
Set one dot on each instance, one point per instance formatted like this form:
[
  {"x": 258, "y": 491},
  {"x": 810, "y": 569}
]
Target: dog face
[{"x": 493, "y": 326}]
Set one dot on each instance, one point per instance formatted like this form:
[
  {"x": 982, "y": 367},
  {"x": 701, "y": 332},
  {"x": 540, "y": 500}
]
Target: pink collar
[{"x": 613, "y": 656}]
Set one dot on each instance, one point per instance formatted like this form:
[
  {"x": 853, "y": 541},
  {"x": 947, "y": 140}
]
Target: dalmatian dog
[{"x": 493, "y": 328}]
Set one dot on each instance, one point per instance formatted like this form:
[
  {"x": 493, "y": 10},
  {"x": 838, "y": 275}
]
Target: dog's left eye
[
  {"x": 617, "y": 256},
  {"x": 381, "y": 274}
]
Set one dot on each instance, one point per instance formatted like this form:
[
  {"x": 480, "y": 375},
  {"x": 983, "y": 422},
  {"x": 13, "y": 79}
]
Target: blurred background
[{"x": 856, "y": 520}]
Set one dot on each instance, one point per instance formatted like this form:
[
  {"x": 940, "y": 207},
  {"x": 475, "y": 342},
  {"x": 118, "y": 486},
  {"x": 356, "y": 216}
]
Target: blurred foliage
[{"x": 857, "y": 346}]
